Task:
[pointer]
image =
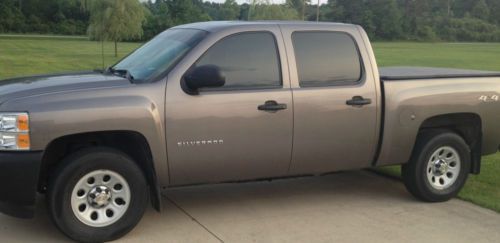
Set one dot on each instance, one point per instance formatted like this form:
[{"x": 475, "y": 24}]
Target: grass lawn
[
  {"x": 480, "y": 56},
  {"x": 20, "y": 56}
]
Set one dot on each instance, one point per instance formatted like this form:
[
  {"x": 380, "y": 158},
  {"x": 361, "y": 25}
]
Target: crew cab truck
[{"x": 232, "y": 101}]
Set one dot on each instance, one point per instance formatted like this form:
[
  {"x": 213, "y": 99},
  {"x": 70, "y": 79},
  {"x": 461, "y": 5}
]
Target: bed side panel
[{"x": 409, "y": 103}]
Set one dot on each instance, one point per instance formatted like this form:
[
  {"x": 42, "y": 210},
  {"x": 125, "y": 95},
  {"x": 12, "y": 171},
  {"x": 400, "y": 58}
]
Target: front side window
[
  {"x": 326, "y": 58},
  {"x": 247, "y": 60},
  {"x": 160, "y": 54}
]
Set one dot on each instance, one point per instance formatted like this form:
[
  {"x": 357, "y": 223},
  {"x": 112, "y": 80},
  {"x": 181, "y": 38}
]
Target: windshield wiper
[{"x": 124, "y": 73}]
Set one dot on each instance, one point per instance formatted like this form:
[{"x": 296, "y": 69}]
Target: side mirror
[{"x": 203, "y": 77}]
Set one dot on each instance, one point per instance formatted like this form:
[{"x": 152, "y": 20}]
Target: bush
[
  {"x": 426, "y": 33},
  {"x": 69, "y": 27},
  {"x": 467, "y": 29},
  {"x": 11, "y": 19}
]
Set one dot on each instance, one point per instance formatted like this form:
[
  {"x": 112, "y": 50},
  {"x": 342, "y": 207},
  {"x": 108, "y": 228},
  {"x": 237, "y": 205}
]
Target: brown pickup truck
[{"x": 232, "y": 101}]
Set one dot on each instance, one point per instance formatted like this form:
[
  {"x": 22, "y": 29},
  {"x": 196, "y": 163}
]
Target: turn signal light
[
  {"x": 23, "y": 141},
  {"x": 23, "y": 123}
]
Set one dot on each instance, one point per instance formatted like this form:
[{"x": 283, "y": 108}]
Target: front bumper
[{"x": 19, "y": 173}]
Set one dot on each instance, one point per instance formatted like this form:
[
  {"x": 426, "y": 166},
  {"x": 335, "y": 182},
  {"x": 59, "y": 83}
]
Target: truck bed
[{"x": 408, "y": 73}]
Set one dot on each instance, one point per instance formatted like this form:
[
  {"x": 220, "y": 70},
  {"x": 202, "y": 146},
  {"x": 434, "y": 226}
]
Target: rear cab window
[{"x": 326, "y": 58}]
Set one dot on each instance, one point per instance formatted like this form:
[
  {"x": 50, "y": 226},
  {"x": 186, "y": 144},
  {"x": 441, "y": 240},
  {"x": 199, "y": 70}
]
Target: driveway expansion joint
[{"x": 194, "y": 219}]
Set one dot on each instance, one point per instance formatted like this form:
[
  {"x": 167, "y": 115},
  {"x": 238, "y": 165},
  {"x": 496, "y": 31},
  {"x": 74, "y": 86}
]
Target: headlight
[{"x": 14, "y": 131}]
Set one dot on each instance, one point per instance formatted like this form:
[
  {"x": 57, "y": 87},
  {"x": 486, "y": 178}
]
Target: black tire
[
  {"x": 414, "y": 173},
  {"x": 75, "y": 167}
]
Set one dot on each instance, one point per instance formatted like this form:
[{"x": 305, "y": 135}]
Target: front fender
[{"x": 138, "y": 108}]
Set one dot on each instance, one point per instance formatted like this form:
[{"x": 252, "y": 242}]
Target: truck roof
[{"x": 214, "y": 26}]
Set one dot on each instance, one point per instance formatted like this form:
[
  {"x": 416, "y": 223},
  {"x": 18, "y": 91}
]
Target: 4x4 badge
[{"x": 489, "y": 98}]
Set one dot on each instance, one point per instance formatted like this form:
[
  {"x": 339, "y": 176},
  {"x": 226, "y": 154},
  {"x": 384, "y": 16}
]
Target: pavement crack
[{"x": 194, "y": 219}]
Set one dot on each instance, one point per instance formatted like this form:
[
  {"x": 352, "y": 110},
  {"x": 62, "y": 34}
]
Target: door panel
[
  {"x": 221, "y": 134},
  {"x": 329, "y": 134},
  {"x": 250, "y": 143}
]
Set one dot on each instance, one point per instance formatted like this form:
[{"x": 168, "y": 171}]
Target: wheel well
[
  {"x": 131, "y": 143},
  {"x": 467, "y": 125}
]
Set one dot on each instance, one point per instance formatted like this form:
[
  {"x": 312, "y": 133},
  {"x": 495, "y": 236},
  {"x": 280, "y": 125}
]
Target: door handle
[
  {"x": 358, "y": 101},
  {"x": 271, "y": 105}
]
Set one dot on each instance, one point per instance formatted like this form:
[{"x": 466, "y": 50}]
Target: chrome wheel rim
[
  {"x": 100, "y": 198},
  {"x": 443, "y": 168}
]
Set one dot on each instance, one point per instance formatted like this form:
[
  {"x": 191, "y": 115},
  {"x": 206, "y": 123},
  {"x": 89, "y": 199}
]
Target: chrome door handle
[
  {"x": 358, "y": 101},
  {"x": 271, "y": 105}
]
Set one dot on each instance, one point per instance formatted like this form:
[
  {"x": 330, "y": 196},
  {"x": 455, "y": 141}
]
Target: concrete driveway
[{"x": 343, "y": 207}]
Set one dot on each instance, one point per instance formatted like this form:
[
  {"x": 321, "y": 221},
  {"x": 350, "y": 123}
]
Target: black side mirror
[{"x": 203, "y": 77}]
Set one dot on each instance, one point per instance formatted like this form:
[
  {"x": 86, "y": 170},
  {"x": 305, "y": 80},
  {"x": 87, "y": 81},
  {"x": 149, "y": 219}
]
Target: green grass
[
  {"x": 21, "y": 56},
  {"x": 480, "y": 56},
  {"x": 28, "y": 55}
]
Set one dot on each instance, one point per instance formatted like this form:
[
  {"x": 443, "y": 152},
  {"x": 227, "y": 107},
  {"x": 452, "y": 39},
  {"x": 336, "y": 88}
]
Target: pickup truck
[{"x": 234, "y": 101}]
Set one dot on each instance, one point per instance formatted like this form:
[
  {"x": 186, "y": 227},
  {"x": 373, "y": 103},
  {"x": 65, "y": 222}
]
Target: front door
[
  {"x": 335, "y": 101},
  {"x": 242, "y": 130}
]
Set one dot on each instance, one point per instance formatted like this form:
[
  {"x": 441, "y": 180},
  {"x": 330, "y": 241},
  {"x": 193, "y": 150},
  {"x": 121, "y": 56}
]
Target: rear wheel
[
  {"x": 97, "y": 195},
  {"x": 438, "y": 167}
]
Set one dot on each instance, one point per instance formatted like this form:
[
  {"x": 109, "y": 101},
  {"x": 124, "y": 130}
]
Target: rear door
[
  {"x": 242, "y": 130},
  {"x": 335, "y": 99}
]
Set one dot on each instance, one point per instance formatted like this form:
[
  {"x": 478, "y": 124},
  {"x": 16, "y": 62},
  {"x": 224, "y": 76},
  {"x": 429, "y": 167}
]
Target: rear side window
[
  {"x": 247, "y": 60},
  {"x": 326, "y": 58}
]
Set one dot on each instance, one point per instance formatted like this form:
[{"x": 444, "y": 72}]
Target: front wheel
[
  {"x": 438, "y": 167},
  {"x": 97, "y": 195}
]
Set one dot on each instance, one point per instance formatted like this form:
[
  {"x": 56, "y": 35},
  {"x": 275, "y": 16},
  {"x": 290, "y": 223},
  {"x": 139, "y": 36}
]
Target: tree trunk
[
  {"x": 102, "y": 54},
  {"x": 116, "y": 49},
  {"x": 252, "y": 3},
  {"x": 449, "y": 8},
  {"x": 317, "y": 12},
  {"x": 303, "y": 10}
]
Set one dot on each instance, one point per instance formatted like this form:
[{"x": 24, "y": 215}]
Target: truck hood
[{"x": 45, "y": 84}]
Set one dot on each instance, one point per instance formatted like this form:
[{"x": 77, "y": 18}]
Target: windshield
[{"x": 160, "y": 54}]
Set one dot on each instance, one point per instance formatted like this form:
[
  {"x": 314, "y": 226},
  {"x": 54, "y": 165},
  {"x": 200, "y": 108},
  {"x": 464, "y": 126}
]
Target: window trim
[
  {"x": 278, "y": 56},
  {"x": 362, "y": 76}
]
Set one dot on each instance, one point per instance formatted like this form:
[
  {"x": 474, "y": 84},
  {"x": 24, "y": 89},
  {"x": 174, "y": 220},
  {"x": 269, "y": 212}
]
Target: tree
[
  {"x": 163, "y": 14},
  {"x": 11, "y": 18},
  {"x": 388, "y": 20},
  {"x": 229, "y": 10},
  {"x": 335, "y": 11},
  {"x": 186, "y": 11},
  {"x": 264, "y": 10},
  {"x": 350, "y": 11},
  {"x": 481, "y": 10},
  {"x": 157, "y": 18},
  {"x": 494, "y": 7},
  {"x": 116, "y": 20},
  {"x": 382, "y": 19},
  {"x": 300, "y": 6}
]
